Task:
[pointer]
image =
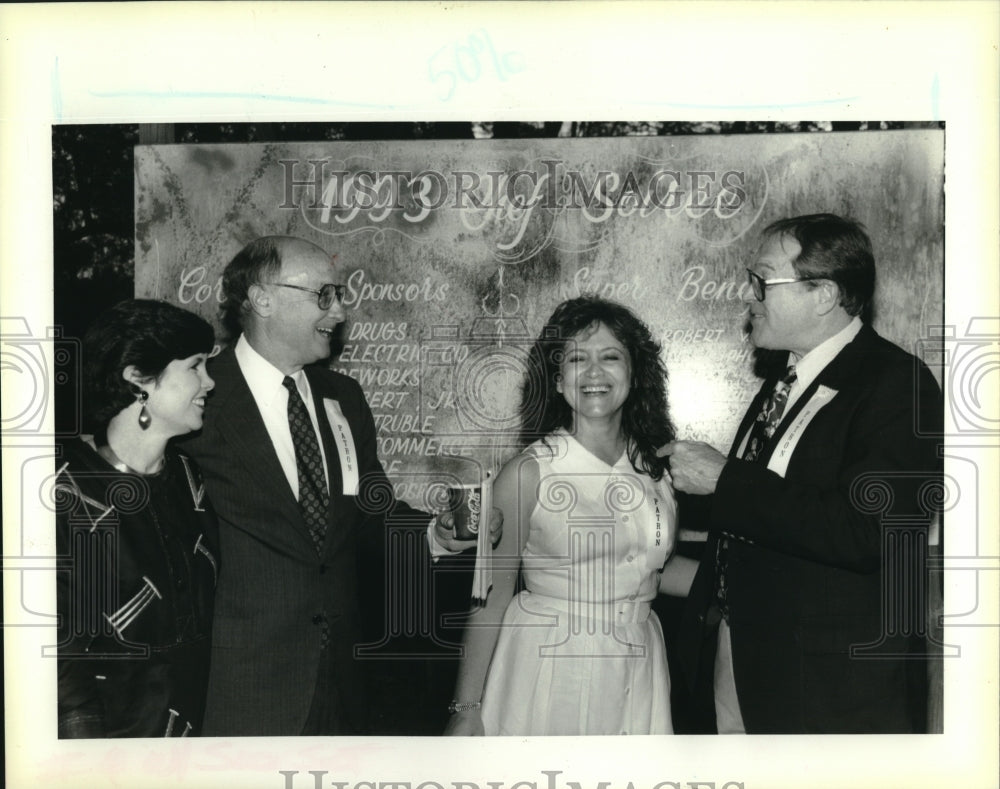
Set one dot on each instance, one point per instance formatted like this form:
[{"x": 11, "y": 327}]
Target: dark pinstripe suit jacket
[{"x": 275, "y": 587}]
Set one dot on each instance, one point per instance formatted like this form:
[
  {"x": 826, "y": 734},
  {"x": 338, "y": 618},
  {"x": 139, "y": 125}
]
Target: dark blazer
[
  {"x": 806, "y": 572},
  {"x": 276, "y": 590}
]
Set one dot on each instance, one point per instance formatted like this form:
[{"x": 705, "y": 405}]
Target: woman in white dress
[{"x": 589, "y": 520}]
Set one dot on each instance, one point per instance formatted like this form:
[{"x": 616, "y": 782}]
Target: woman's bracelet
[{"x": 464, "y": 706}]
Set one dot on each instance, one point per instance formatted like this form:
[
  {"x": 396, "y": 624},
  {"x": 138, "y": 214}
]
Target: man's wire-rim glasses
[{"x": 324, "y": 295}]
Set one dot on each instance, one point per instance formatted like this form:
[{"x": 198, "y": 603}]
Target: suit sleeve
[
  {"x": 391, "y": 545},
  {"x": 885, "y": 467}
]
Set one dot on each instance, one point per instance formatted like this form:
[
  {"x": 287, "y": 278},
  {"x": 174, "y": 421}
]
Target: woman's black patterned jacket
[{"x": 138, "y": 563}]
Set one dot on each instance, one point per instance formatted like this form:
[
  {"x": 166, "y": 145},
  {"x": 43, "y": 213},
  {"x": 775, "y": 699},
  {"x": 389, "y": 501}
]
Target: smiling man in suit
[
  {"x": 288, "y": 454},
  {"x": 799, "y": 591}
]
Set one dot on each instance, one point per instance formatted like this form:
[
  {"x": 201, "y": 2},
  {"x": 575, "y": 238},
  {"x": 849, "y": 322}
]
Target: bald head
[{"x": 271, "y": 295}]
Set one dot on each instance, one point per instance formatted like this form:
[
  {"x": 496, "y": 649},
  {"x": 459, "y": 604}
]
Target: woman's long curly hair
[{"x": 645, "y": 417}]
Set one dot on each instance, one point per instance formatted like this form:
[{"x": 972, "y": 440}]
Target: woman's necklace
[{"x": 109, "y": 455}]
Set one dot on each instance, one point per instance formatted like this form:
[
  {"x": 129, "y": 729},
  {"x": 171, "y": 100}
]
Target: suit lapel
[
  {"x": 343, "y": 509},
  {"x": 751, "y": 416},
  {"x": 322, "y": 391},
  {"x": 239, "y": 422},
  {"x": 840, "y": 372}
]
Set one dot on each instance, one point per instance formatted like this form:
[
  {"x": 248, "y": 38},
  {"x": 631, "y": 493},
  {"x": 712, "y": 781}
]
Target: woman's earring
[{"x": 144, "y": 417}]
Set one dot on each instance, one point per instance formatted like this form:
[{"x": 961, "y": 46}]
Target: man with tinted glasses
[
  {"x": 811, "y": 589},
  {"x": 288, "y": 454}
]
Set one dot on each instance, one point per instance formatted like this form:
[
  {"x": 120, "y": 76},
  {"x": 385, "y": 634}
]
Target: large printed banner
[{"x": 455, "y": 252}]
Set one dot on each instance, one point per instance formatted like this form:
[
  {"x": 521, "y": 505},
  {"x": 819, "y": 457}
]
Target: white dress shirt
[
  {"x": 814, "y": 362},
  {"x": 265, "y": 382}
]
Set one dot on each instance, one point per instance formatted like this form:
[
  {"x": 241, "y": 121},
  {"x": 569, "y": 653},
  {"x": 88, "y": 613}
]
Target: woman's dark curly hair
[
  {"x": 142, "y": 332},
  {"x": 645, "y": 418}
]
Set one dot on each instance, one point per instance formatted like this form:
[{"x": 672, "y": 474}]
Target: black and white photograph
[{"x": 344, "y": 418}]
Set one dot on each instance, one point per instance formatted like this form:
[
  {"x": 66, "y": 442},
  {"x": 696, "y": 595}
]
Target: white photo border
[{"x": 171, "y": 62}]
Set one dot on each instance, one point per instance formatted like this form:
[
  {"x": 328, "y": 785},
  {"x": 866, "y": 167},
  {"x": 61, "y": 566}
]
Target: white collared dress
[{"x": 579, "y": 650}]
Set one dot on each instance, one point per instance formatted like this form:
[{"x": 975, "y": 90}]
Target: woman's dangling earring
[{"x": 144, "y": 417}]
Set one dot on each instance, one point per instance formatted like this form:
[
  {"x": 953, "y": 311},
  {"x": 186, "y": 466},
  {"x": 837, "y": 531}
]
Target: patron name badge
[
  {"x": 783, "y": 452},
  {"x": 344, "y": 440}
]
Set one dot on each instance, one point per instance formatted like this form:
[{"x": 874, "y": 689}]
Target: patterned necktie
[
  {"x": 769, "y": 416},
  {"x": 763, "y": 428},
  {"x": 314, "y": 499}
]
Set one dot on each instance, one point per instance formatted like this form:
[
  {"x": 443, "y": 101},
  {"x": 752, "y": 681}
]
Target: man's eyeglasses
[
  {"x": 325, "y": 295},
  {"x": 759, "y": 285}
]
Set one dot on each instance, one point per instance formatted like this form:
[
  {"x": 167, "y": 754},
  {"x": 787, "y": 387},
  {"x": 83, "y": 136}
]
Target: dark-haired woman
[
  {"x": 136, "y": 532},
  {"x": 589, "y": 520}
]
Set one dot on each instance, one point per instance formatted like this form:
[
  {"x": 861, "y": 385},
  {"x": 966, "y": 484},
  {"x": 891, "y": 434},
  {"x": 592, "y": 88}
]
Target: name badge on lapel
[
  {"x": 344, "y": 440},
  {"x": 790, "y": 439}
]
